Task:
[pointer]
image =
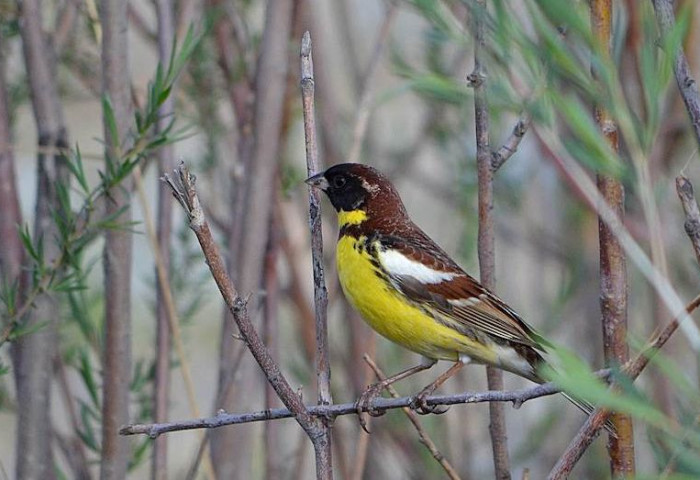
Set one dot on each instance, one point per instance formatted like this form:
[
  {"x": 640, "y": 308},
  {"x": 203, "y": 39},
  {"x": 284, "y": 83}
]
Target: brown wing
[{"x": 461, "y": 300}]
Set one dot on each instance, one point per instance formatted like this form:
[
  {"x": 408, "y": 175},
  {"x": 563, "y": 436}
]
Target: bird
[{"x": 410, "y": 291}]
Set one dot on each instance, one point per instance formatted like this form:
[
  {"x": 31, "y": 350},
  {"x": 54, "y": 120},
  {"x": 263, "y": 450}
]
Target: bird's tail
[{"x": 588, "y": 409}]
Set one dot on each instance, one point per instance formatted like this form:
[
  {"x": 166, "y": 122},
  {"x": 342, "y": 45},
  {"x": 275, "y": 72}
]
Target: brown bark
[
  {"x": 33, "y": 353},
  {"x": 486, "y": 235},
  {"x": 322, "y": 443},
  {"x": 687, "y": 86},
  {"x": 613, "y": 268},
  {"x": 11, "y": 253},
  {"x": 231, "y": 452},
  {"x": 117, "y": 254},
  {"x": 166, "y": 32}
]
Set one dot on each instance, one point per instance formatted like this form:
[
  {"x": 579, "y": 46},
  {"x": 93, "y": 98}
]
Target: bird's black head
[
  {"x": 345, "y": 185},
  {"x": 354, "y": 186}
]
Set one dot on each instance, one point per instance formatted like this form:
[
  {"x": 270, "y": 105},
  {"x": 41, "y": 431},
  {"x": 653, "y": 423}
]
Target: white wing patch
[
  {"x": 468, "y": 302},
  {"x": 398, "y": 264}
]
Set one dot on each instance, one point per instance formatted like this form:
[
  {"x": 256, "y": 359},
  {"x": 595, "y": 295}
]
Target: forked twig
[{"x": 423, "y": 436}]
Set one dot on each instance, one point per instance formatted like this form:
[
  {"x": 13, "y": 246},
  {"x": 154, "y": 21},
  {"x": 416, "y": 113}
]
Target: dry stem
[{"x": 423, "y": 436}]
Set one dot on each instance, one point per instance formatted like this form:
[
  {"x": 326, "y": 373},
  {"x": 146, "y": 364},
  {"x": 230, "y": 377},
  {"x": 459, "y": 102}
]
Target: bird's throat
[{"x": 353, "y": 217}]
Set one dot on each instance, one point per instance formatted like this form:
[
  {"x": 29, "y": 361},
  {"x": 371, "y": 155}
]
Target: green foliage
[{"x": 575, "y": 377}]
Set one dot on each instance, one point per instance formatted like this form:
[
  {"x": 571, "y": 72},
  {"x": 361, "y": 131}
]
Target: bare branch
[
  {"x": 589, "y": 431},
  {"x": 692, "y": 214},
  {"x": 183, "y": 190},
  {"x": 33, "y": 354},
  {"x": 118, "y": 248},
  {"x": 613, "y": 264},
  {"x": 322, "y": 446},
  {"x": 510, "y": 146},
  {"x": 486, "y": 235},
  {"x": 517, "y": 397},
  {"x": 423, "y": 436},
  {"x": 12, "y": 253},
  {"x": 253, "y": 194},
  {"x": 687, "y": 86},
  {"x": 164, "y": 302}
]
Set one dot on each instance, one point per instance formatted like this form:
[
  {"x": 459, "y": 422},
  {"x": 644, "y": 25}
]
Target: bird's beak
[{"x": 318, "y": 181}]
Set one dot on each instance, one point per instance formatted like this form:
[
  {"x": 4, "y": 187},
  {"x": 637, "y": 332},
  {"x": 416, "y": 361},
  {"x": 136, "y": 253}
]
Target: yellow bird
[{"x": 411, "y": 292}]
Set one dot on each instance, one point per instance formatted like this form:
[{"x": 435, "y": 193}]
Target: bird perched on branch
[{"x": 411, "y": 292}]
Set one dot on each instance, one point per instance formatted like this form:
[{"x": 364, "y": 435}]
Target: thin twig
[
  {"x": 423, "y": 436},
  {"x": 160, "y": 243},
  {"x": 687, "y": 86},
  {"x": 510, "y": 146},
  {"x": 184, "y": 191},
  {"x": 692, "y": 214},
  {"x": 322, "y": 446},
  {"x": 517, "y": 397},
  {"x": 271, "y": 434},
  {"x": 552, "y": 144},
  {"x": 632, "y": 369},
  {"x": 171, "y": 314},
  {"x": 486, "y": 234}
]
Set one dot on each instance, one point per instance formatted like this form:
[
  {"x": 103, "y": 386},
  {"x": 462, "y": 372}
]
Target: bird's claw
[
  {"x": 365, "y": 405},
  {"x": 421, "y": 406}
]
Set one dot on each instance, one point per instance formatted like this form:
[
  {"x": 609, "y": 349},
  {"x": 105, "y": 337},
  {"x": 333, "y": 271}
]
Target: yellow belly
[{"x": 384, "y": 309}]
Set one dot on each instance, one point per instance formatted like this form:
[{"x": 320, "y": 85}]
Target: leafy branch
[{"x": 78, "y": 229}]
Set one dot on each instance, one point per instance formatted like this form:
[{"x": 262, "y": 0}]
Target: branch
[
  {"x": 510, "y": 146},
  {"x": 33, "y": 354},
  {"x": 486, "y": 236},
  {"x": 167, "y": 324},
  {"x": 423, "y": 436},
  {"x": 692, "y": 214},
  {"x": 632, "y": 369},
  {"x": 516, "y": 397},
  {"x": 184, "y": 191},
  {"x": 686, "y": 83},
  {"x": 322, "y": 445},
  {"x": 613, "y": 264},
  {"x": 118, "y": 246}
]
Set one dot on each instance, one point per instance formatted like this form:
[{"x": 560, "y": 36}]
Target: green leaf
[
  {"x": 76, "y": 168},
  {"x": 27, "y": 329},
  {"x": 588, "y": 145},
  {"x": 110, "y": 120},
  {"x": 86, "y": 373},
  {"x": 577, "y": 379}
]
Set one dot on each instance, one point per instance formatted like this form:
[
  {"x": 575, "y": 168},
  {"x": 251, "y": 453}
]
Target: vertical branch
[
  {"x": 613, "y": 268},
  {"x": 322, "y": 445},
  {"x": 231, "y": 449},
  {"x": 231, "y": 352},
  {"x": 686, "y": 83},
  {"x": 692, "y": 213},
  {"x": 166, "y": 32},
  {"x": 11, "y": 253},
  {"x": 33, "y": 353},
  {"x": 117, "y": 253},
  {"x": 486, "y": 236},
  {"x": 271, "y": 339}
]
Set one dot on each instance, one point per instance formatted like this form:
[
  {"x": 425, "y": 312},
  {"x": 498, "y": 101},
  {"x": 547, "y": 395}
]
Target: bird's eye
[{"x": 339, "y": 181}]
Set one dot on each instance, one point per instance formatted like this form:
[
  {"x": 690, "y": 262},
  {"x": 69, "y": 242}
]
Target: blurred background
[{"x": 392, "y": 92}]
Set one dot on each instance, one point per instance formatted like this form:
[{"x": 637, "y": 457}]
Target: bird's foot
[
  {"x": 365, "y": 404},
  {"x": 421, "y": 406}
]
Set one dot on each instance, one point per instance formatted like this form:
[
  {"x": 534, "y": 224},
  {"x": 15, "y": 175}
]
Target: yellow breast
[{"x": 385, "y": 310}]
